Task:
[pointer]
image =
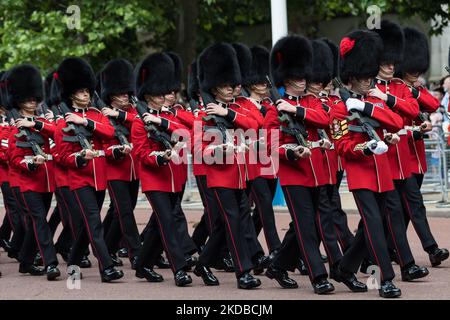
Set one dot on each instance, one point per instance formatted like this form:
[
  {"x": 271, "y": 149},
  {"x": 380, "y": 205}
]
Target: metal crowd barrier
[{"x": 435, "y": 185}]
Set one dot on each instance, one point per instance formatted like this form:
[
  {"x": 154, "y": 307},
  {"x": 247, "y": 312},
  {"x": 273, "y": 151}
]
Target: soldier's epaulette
[
  {"x": 338, "y": 128},
  {"x": 94, "y": 108}
]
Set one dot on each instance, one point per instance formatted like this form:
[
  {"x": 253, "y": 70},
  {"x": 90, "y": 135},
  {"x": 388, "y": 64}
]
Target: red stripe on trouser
[
  {"x": 408, "y": 209},
  {"x": 256, "y": 199},
  {"x": 393, "y": 237},
  {"x": 8, "y": 214},
  {"x": 368, "y": 236},
  {"x": 319, "y": 222},
  {"x": 172, "y": 266},
  {"x": 299, "y": 234},
  {"x": 119, "y": 216},
  {"x": 206, "y": 206},
  {"x": 34, "y": 231},
  {"x": 89, "y": 231},
  {"x": 229, "y": 231},
  {"x": 341, "y": 242},
  {"x": 61, "y": 194}
]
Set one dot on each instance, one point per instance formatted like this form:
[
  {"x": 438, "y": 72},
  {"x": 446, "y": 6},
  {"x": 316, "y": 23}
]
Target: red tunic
[
  {"x": 401, "y": 101},
  {"x": 428, "y": 104},
  {"x": 93, "y": 172},
  {"x": 123, "y": 168},
  {"x": 308, "y": 172},
  {"x": 156, "y": 174},
  {"x": 228, "y": 171},
  {"x": 31, "y": 177},
  {"x": 365, "y": 172}
]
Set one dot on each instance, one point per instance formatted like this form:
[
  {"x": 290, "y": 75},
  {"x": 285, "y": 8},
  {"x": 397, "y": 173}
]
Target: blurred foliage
[{"x": 36, "y": 31}]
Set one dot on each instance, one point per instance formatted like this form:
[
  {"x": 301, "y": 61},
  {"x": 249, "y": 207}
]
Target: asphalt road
[{"x": 16, "y": 286}]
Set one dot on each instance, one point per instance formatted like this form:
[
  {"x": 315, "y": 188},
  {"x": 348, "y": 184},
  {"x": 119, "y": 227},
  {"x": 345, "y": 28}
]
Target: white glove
[
  {"x": 354, "y": 104},
  {"x": 377, "y": 147}
]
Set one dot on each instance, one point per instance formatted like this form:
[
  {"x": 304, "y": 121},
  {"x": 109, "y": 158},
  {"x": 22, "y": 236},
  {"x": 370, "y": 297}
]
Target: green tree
[{"x": 36, "y": 31}]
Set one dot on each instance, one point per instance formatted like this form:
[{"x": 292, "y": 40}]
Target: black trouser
[
  {"x": 38, "y": 235},
  {"x": 415, "y": 211},
  {"x": 65, "y": 204},
  {"x": 123, "y": 225},
  {"x": 21, "y": 226},
  {"x": 247, "y": 224},
  {"x": 289, "y": 252},
  {"x": 343, "y": 233},
  {"x": 187, "y": 245},
  {"x": 12, "y": 214},
  {"x": 228, "y": 224},
  {"x": 370, "y": 238},
  {"x": 303, "y": 206},
  {"x": 204, "y": 228},
  {"x": 419, "y": 178},
  {"x": 263, "y": 191},
  {"x": 89, "y": 228},
  {"x": 162, "y": 220},
  {"x": 325, "y": 224}
]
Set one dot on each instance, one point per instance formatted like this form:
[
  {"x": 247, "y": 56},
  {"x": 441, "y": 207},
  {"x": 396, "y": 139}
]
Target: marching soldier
[
  {"x": 244, "y": 56},
  {"x": 219, "y": 74},
  {"x": 300, "y": 170},
  {"x": 117, "y": 86},
  {"x": 319, "y": 80},
  {"x": 33, "y": 164},
  {"x": 161, "y": 182},
  {"x": 74, "y": 84},
  {"x": 361, "y": 53},
  {"x": 262, "y": 175},
  {"x": 415, "y": 62},
  {"x": 170, "y": 102},
  {"x": 343, "y": 233},
  {"x": 65, "y": 202}
]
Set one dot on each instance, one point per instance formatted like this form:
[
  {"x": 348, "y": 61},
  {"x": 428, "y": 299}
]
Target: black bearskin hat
[
  {"x": 192, "y": 87},
  {"x": 154, "y": 75},
  {"x": 244, "y": 56},
  {"x": 218, "y": 65},
  {"x": 393, "y": 42},
  {"x": 24, "y": 82},
  {"x": 359, "y": 55},
  {"x": 335, "y": 51},
  {"x": 72, "y": 75},
  {"x": 291, "y": 58},
  {"x": 322, "y": 62},
  {"x": 260, "y": 65},
  {"x": 416, "y": 58},
  {"x": 116, "y": 77},
  {"x": 178, "y": 70}
]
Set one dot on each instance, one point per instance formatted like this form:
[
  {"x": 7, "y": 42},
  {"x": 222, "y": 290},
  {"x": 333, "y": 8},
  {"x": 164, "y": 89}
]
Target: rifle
[
  {"x": 120, "y": 131},
  {"x": 447, "y": 69},
  {"x": 365, "y": 125},
  {"x": 33, "y": 140},
  {"x": 80, "y": 134},
  {"x": 153, "y": 132},
  {"x": 294, "y": 128},
  {"x": 221, "y": 124}
]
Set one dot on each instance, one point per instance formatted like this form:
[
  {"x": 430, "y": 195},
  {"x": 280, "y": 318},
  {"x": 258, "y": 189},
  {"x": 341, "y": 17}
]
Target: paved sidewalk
[{"x": 16, "y": 286}]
